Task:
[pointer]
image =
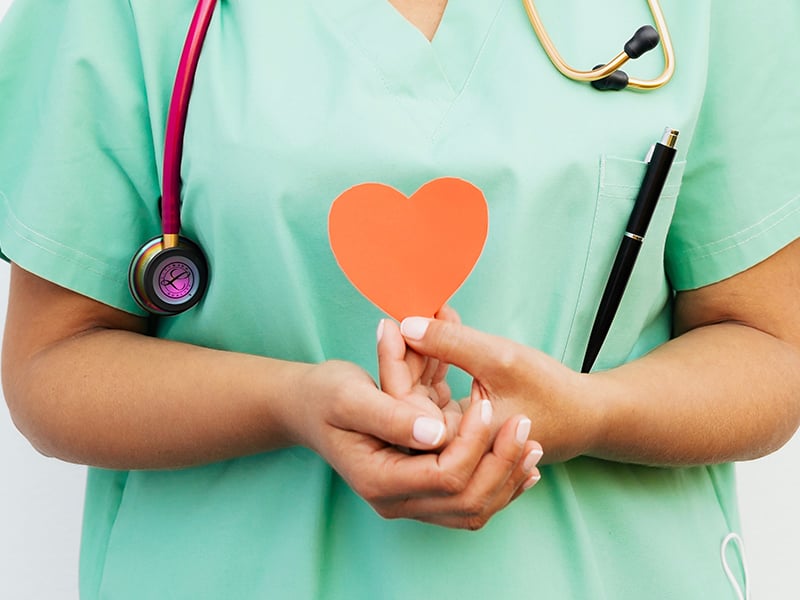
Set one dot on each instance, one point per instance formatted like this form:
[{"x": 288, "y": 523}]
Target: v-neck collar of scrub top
[{"x": 435, "y": 70}]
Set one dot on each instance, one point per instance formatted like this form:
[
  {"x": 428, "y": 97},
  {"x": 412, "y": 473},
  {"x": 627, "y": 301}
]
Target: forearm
[
  {"x": 119, "y": 399},
  {"x": 718, "y": 393}
]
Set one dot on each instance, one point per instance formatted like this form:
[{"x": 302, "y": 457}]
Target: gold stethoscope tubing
[{"x": 619, "y": 60}]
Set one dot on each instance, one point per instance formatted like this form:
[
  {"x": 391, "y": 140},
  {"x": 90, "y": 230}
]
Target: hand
[
  {"x": 517, "y": 379},
  {"x": 357, "y": 429}
]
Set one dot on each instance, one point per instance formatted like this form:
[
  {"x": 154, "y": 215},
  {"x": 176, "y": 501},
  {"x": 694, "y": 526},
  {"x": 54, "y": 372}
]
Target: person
[{"x": 244, "y": 450}]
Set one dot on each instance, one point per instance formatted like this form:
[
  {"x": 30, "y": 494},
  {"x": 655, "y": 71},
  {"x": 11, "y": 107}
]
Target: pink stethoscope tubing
[{"x": 176, "y": 118}]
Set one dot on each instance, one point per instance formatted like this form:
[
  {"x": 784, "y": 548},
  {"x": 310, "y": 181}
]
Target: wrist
[
  {"x": 312, "y": 398},
  {"x": 287, "y": 399},
  {"x": 609, "y": 409}
]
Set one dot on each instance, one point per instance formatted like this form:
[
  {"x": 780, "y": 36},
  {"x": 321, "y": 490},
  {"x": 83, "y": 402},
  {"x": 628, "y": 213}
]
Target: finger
[
  {"x": 399, "y": 369},
  {"x": 397, "y": 422},
  {"x": 440, "y": 374},
  {"x": 442, "y": 394},
  {"x": 478, "y": 507},
  {"x": 477, "y": 353},
  {"x": 431, "y": 370},
  {"x": 499, "y": 475},
  {"x": 448, "y": 313},
  {"x": 453, "y": 415},
  {"x": 495, "y": 483},
  {"x": 477, "y": 390},
  {"x": 532, "y": 475},
  {"x": 447, "y": 473},
  {"x": 461, "y": 522},
  {"x": 393, "y": 371}
]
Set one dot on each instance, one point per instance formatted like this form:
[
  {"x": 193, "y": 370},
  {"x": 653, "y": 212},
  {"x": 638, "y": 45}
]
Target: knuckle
[
  {"x": 370, "y": 488},
  {"x": 394, "y": 509},
  {"x": 474, "y": 523},
  {"x": 509, "y": 460},
  {"x": 368, "y": 492},
  {"x": 442, "y": 343},
  {"x": 453, "y": 483},
  {"x": 386, "y": 511},
  {"x": 507, "y": 357},
  {"x": 393, "y": 421},
  {"x": 475, "y": 506}
]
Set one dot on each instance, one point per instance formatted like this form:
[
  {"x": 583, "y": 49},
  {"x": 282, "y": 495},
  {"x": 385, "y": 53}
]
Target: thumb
[
  {"x": 477, "y": 353},
  {"x": 399, "y": 371}
]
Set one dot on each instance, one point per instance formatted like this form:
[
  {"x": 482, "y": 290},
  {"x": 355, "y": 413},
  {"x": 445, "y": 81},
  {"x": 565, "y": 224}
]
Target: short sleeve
[
  {"x": 78, "y": 179},
  {"x": 740, "y": 199}
]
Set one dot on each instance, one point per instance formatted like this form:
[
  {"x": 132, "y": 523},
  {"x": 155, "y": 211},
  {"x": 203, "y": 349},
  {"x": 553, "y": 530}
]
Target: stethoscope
[
  {"x": 169, "y": 274},
  {"x": 608, "y": 76}
]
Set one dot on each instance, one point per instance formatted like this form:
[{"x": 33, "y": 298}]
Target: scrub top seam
[
  {"x": 386, "y": 81},
  {"x": 697, "y": 254},
  {"x": 489, "y": 31},
  {"x": 145, "y": 91},
  {"x": 29, "y": 236},
  {"x": 581, "y": 288},
  {"x": 381, "y": 74}
]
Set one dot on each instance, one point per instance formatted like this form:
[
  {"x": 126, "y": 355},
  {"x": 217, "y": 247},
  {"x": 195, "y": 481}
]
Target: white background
[{"x": 41, "y": 500}]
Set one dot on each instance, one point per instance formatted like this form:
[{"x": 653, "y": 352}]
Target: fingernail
[
  {"x": 531, "y": 481},
  {"x": 486, "y": 412},
  {"x": 532, "y": 460},
  {"x": 523, "y": 430},
  {"x": 428, "y": 431},
  {"x": 414, "y": 328},
  {"x": 379, "y": 333}
]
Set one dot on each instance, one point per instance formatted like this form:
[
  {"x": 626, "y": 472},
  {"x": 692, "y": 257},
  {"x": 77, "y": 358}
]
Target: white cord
[{"x": 735, "y": 538}]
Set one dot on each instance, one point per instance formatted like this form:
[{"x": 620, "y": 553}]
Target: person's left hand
[
  {"x": 567, "y": 419},
  {"x": 500, "y": 474}
]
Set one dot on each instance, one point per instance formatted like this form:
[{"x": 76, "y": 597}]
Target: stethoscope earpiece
[
  {"x": 618, "y": 80},
  {"x": 168, "y": 281},
  {"x": 644, "y": 39},
  {"x": 608, "y": 76}
]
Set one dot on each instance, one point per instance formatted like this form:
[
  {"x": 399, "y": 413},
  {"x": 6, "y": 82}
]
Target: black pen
[{"x": 658, "y": 165}]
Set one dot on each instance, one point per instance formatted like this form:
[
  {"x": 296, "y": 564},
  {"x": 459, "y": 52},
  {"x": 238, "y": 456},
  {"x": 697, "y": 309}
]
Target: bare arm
[
  {"x": 85, "y": 384},
  {"x": 726, "y": 388}
]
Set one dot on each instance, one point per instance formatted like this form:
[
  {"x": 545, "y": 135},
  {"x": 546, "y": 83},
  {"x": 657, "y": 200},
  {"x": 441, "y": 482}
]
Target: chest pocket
[{"x": 644, "y": 317}]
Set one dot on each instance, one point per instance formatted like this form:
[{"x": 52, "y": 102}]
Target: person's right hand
[{"x": 358, "y": 430}]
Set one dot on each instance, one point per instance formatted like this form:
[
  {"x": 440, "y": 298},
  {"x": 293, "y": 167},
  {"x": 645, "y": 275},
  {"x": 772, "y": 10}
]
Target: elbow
[
  {"x": 783, "y": 425},
  {"x": 35, "y": 422},
  {"x": 28, "y": 425},
  {"x": 791, "y": 421}
]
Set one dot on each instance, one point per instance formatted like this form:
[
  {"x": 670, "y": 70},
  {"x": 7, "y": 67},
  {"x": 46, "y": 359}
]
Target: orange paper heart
[{"x": 409, "y": 255}]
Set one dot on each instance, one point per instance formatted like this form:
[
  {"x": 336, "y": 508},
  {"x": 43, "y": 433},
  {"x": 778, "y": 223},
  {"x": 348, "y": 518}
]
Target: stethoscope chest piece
[
  {"x": 168, "y": 280},
  {"x": 169, "y": 274}
]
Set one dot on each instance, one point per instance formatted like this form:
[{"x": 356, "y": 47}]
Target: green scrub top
[{"x": 298, "y": 100}]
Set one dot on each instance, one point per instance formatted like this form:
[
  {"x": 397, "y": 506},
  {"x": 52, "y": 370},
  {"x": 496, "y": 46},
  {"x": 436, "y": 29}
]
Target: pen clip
[{"x": 649, "y": 156}]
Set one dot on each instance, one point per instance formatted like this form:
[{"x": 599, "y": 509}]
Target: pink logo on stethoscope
[{"x": 176, "y": 280}]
